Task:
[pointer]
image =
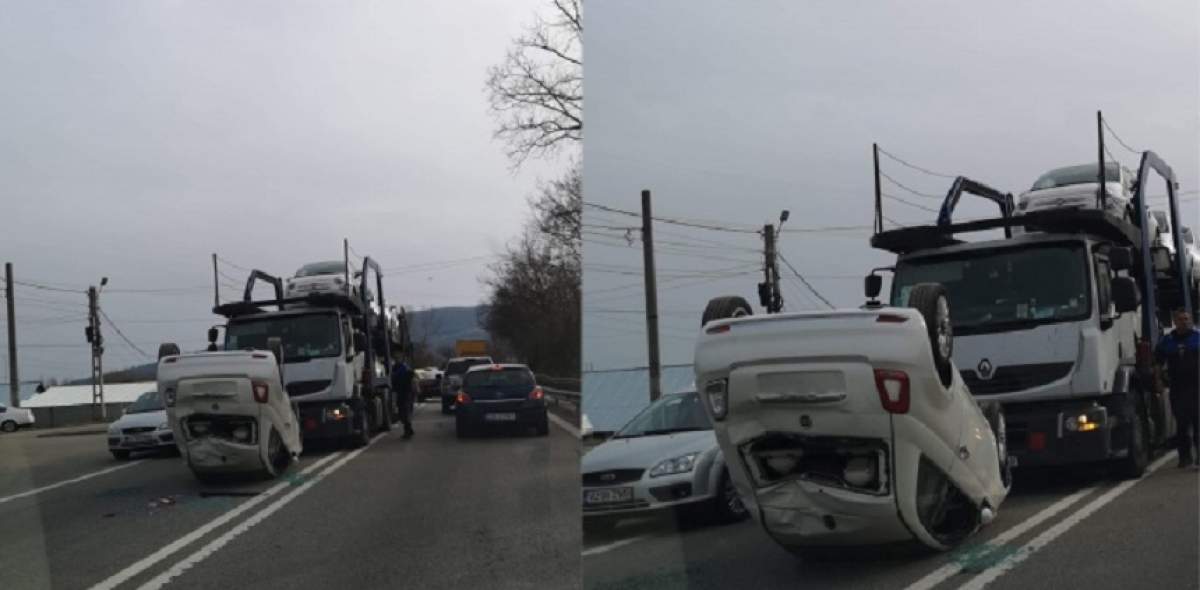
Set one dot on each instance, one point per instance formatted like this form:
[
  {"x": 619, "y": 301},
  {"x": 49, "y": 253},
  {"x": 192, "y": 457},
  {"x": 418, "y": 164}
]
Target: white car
[
  {"x": 229, "y": 411},
  {"x": 665, "y": 458},
  {"x": 13, "y": 418},
  {"x": 143, "y": 427},
  {"x": 1076, "y": 187},
  {"x": 852, "y": 427},
  {"x": 321, "y": 277}
]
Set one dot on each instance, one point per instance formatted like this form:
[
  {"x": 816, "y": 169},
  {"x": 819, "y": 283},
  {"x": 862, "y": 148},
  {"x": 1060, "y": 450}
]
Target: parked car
[
  {"x": 13, "y": 418},
  {"x": 1077, "y": 187},
  {"x": 452, "y": 377},
  {"x": 144, "y": 427},
  {"x": 841, "y": 430},
  {"x": 429, "y": 383},
  {"x": 665, "y": 458},
  {"x": 500, "y": 395}
]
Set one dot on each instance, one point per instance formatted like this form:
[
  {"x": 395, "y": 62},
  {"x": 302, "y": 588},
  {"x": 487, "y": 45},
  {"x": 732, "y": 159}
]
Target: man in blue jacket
[{"x": 1179, "y": 350}]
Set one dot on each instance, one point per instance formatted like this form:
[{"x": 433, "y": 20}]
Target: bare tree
[{"x": 537, "y": 91}]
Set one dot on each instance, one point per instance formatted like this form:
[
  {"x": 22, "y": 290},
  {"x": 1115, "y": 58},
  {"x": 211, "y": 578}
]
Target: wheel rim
[
  {"x": 739, "y": 313},
  {"x": 945, "y": 334}
]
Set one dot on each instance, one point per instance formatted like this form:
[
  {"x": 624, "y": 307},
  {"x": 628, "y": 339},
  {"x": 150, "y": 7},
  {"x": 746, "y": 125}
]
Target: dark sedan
[{"x": 500, "y": 396}]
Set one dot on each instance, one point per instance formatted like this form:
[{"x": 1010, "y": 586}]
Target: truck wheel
[
  {"x": 730, "y": 306},
  {"x": 1133, "y": 465},
  {"x": 389, "y": 411},
  {"x": 360, "y": 439},
  {"x": 934, "y": 304}
]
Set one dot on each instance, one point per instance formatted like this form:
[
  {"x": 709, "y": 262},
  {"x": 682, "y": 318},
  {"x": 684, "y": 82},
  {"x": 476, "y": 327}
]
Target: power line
[
  {"x": 233, "y": 264},
  {"x": 806, "y": 284},
  {"x": 913, "y": 166},
  {"x": 910, "y": 203},
  {"x": 672, "y": 221},
  {"x": 41, "y": 287},
  {"x": 122, "y": 334}
]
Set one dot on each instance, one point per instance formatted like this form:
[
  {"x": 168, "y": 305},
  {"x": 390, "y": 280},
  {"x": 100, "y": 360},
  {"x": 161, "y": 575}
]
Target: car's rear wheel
[
  {"x": 446, "y": 405},
  {"x": 461, "y": 429},
  {"x": 543, "y": 427},
  {"x": 120, "y": 455},
  {"x": 8, "y": 426},
  {"x": 730, "y": 306},
  {"x": 932, "y": 301}
]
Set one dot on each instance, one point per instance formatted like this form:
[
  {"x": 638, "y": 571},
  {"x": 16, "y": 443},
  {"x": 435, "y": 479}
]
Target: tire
[
  {"x": 1133, "y": 465},
  {"x": 727, "y": 506},
  {"x": 167, "y": 349},
  {"x": 931, "y": 300},
  {"x": 120, "y": 455},
  {"x": 8, "y": 426},
  {"x": 362, "y": 438},
  {"x": 994, "y": 413},
  {"x": 461, "y": 430},
  {"x": 543, "y": 428},
  {"x": 389, "y": 411},
  {"x": 730, "y": 306},
  {"x": 446, "y": 406}
]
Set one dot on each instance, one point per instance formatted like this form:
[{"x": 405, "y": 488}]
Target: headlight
[
  {"x": 717, "y": 392},
  {"x": 682, "y": 464}
]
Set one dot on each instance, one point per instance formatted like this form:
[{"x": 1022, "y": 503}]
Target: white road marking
[
  {"x": 148, "y": 562},
  {"x": 952, "y": 569},
  {"x": 68, "y": 481},
  {"x": 1047, "y": 536},
  {"x": 615, "y": 544},
  {"x": 213, "y": 546},
  {"x": 563, "y": 424}
]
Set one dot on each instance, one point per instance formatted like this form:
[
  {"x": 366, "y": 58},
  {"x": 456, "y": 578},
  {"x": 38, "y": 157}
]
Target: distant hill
[{"x": 441, "y": 326}]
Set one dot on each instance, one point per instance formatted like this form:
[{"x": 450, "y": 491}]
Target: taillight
[
  {"x": 718, "y": 329},
  {"x": 462, "y": 398},
  {"x": 893, "y": 390},
  {"x": 537, "y": 394},
  {"x": 261, "y": 390}
]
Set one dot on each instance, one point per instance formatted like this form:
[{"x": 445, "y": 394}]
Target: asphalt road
[
  {"x": 432, "y": 512},
  {"x": 1063, "y": 529}
]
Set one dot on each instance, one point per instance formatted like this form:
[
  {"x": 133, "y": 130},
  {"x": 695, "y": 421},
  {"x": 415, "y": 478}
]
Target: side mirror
[
  {"x": 872, "y": 285},
  {"x": 275, "y": 345},
  {"x": 1125, "y": 294},
  {"x": 1120, "y": 259},
  {"x": 167, "y": 349}
]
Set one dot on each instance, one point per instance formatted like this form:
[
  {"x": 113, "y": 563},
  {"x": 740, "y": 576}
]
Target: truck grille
[
  {"x": 1016, "y": 377},
  {"x": 612, "y": 477},
  {"x": 307, "y": 387}
]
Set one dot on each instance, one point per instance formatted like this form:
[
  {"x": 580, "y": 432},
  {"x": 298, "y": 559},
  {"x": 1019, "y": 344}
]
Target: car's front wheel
[
  {"x": 8, "y": 426},
  {"x": 727, "y": 505}
]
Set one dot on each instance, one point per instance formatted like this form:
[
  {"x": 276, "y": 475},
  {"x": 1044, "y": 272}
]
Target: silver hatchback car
[{"x": 666, "y": 457}]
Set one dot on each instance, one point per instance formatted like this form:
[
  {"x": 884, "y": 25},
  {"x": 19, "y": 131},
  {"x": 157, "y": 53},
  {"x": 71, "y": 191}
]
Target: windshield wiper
[{"x": 674, "y": 430}]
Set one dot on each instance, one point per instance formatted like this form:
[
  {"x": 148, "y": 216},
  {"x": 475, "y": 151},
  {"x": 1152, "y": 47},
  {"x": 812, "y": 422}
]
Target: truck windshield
[
  {"x": 679, "y": 412},
  {"x": 995, "y": 290},
  {"x": 1082, "y": 174},
  {"x": 304, "y": 336}
]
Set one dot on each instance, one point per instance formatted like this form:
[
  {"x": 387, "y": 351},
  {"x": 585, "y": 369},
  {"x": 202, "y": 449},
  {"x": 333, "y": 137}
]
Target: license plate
[
  {"x": 503, "y": 417},
  {"x": 138, "y": 439},
  {"x": 607, "y": 496}
]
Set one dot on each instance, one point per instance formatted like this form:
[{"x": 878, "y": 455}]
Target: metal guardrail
[{"x": 565, "y": 403}]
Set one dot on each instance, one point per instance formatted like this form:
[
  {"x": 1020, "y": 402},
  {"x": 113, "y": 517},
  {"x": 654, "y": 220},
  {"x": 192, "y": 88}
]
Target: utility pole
[
  {"x": 768, "y": 290},
  {"x": 651, "y": 298},
  {"x": 97, "y": 341},
  {"x": 14, "y": 381}
]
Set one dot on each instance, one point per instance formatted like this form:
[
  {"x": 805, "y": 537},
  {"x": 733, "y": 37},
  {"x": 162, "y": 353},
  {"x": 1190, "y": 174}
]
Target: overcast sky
[
  {"x": 136, "y": 138},
  {"x": 730, "y": 112}
]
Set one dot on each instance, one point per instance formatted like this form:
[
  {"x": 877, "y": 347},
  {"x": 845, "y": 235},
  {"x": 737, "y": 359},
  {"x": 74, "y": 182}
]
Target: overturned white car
[
  {"x": 852, "y": 427},
  {"x": 228, "y": 411}
]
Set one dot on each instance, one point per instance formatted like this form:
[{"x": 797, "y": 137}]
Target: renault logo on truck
[{"x": 984, "y": 369}]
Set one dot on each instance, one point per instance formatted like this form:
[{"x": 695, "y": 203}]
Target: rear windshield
[
  {"x": 460, "y": 367},
  {"x": 509, "y": 377},
  {"x": 332, "y": 267}
]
